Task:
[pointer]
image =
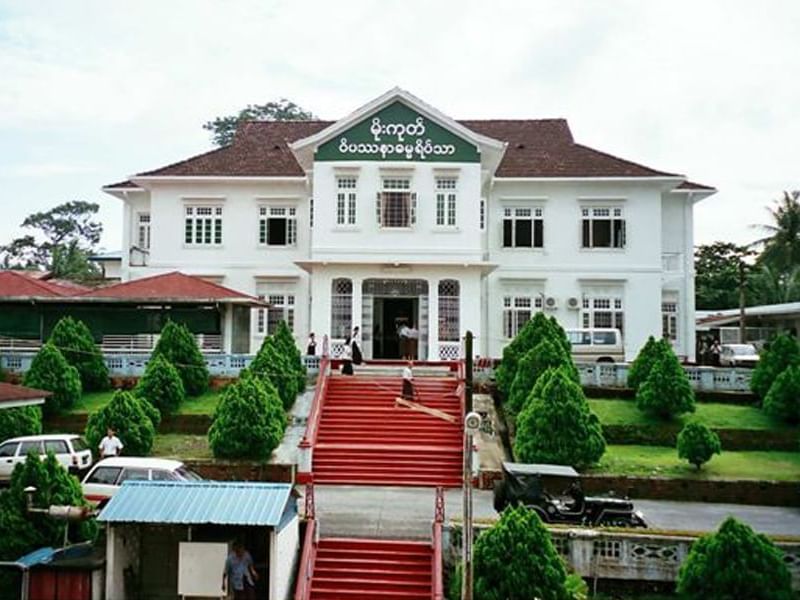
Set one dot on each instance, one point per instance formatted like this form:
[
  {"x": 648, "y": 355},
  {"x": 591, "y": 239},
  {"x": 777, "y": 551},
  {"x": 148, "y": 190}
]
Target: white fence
[{"x": 711, "y": 379}]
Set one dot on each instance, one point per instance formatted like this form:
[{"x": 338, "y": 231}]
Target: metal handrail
[
  {"x": 312, "y": 426},
  {"x": 308, "y": 557},
  {"x": 437, "y": 582}
]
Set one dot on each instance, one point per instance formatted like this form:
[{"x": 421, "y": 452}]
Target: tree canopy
[
  {"x": 782, "y": 242},
  {"x": 223, "y": 129},
  {"x": 717, "y": 274},
  {"x": 177, "y": 344},
  {"x": 73, "y": 338}
]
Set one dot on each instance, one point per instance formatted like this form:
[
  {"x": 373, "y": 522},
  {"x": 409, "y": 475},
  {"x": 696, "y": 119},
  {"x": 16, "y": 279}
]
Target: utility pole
[
  {"x": 466, "y": 582},
  {"x": 742, "y": 325}
]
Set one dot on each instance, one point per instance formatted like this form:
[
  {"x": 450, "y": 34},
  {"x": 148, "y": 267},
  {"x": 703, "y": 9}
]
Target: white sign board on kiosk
[{"x": 200, "y": 569}]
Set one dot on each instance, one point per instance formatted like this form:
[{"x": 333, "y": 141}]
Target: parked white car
[
  {"x": 596, "y": 345},
  {"x": 70, "y": 451},
  {"x": 109, "y": 474},
  {"x": 738, "y": 355}
]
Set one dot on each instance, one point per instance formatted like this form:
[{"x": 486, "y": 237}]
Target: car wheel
[{"x": 500, "y": 495}]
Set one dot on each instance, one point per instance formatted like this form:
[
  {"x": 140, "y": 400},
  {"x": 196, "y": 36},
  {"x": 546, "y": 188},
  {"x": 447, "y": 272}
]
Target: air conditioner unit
[
  {"x": 573, "y": 303},
  {"x": 550, "y": 303}
]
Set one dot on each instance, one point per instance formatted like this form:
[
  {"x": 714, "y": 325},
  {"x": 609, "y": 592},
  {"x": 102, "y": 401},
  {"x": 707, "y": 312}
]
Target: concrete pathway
[{"x": 393, "y": 512}]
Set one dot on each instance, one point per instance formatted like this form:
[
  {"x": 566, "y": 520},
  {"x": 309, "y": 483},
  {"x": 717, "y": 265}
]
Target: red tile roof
[
  {"x": 167, "y": 286},
  {"x": 18, "y": 284},
  {"x": 15, "y": 393},
  {"x": 536, "y": 148},
  {"x": 691, "y": 185}
]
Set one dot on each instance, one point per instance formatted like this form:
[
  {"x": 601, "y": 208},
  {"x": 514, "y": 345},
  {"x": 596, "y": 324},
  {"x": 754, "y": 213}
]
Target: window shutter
[
  {"x": 378, "y": 208},
  {"x": 413, "y": 208}
]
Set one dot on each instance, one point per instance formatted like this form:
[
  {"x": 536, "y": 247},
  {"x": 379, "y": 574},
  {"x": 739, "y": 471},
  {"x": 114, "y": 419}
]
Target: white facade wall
[{"x": 284, "y": 549}]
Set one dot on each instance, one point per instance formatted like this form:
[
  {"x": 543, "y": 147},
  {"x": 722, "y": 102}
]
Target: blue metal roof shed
[{"x": 200, "y": 502}]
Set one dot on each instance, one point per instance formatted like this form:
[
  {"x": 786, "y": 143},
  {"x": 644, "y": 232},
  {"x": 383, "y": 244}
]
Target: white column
[
  {"x": 358, "y": 305},
  {"x": 469, "y": 306},
  {"x": 686, "y": 303},
  {"x": 227, "y": 329},
  {"x": 320, "y": 317},
  {"x": 433, "y": 318}
]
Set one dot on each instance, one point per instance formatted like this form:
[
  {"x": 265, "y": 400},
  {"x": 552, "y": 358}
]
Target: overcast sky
[{"x": 91, "y": 92}]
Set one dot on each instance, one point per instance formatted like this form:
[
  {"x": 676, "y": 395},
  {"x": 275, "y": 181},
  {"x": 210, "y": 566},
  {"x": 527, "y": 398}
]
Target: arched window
[
  {"x": 449, "y": 324},
  {"x": 341, "y": 308}
]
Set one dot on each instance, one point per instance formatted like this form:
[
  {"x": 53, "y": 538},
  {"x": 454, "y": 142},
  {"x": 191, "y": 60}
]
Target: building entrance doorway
[{"x": 390, "y": 314}]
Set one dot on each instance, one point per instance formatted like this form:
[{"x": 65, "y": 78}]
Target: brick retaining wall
[
  {"x": 732, "y": 439},
  {"x": 241, "y": 470}
]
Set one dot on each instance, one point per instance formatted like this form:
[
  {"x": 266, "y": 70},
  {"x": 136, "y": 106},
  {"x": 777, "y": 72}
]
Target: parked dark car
[{"x": 525, "y": 484}]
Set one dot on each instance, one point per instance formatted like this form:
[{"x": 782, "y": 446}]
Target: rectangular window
[
  {"x": 602, "y": 312},
  {"x": 669, "y": 321},
  {"x": 602, "y": 227},
  {"x": 523, "y": 228},
  {"x": 346, "y": 201},
  {"x": 482, "y": 216},
  {"x": 203, "y": 225},
  {"x": 277, "y": 225},
  {"x": 396, "y": 204},
  {"x": 446, "y": 201},
  {"x": 518, "y": 310},
  {"x": 143, "y": 231},
  {"x": 281, "y": 308}
]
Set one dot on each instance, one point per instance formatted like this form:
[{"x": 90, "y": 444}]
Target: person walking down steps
[
  {"x": 347, "y": 357},
  {"x": 408, "y": 382},
  {"x": 354, "y": 343}
]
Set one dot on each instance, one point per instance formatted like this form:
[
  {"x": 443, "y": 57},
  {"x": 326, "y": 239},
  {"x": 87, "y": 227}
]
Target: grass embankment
[
  {"x": 181, "y": 446},
  {"x": 715, "y": 416},
  {"x": 204, "y": 404},
  {"x": 662, "y": 461}
]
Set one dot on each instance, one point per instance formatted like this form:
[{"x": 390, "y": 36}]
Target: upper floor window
[
  {"x": 203, "y": 225},
  {"x": 346, "y": 201},
  {"x": 523, "y": 228},
  {"x": 482, "y": 215},
  {"x": 518, "y": 310},
  {"x": 396, "y": 204},
  {"x": 277, "y": 225},
  {"x": 603, "y": 227},
  {"x": 143, "y": 231},
  {"x": 446, "y": 201}
]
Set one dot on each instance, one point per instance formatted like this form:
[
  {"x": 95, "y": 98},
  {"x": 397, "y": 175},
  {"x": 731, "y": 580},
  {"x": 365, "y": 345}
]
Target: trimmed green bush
[
  {"x": 288, "y": 347},
  {"x": 50, "y": 371},
  {"x": 781, "y": 352},
  {"x": 559, "y": 335},
  {"x": 732, "y": 564},
  {"x": 666, "y": 391},
  {"x": 545, "y": 355},
  {"x": 178, "y": 346},
  {"x": 129, "y": 417},
  {"x": 515, "y": 560},
  {"x": 23, "y": 420},
  {"x": 783, "y": 398},
  {"x": 73, "y": 338},
  {"x": 249, "y": 421},
  {"x": 643, "y": 363},
  {"x": 161, "y": 385},
  {"x": 557, "y": 425},
  {"x": 697, "y": 444},
  {"x": 24, "y": 532},
  {"x": 270, "y": 364}
]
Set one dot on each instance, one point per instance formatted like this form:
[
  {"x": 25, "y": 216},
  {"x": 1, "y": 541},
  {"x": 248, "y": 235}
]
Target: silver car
[{"x": 738, "y": 355}]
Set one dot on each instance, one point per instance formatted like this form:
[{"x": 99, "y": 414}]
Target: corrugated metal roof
[{"x": 198, "y": 502}]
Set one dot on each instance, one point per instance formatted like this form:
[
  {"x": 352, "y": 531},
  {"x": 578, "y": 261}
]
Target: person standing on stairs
[
  {"x": 311, "y": 345},
  {"x": 347, "y": 357},
  {"x": 409, "y": 393},
  {"x": 357, "y": 357}
]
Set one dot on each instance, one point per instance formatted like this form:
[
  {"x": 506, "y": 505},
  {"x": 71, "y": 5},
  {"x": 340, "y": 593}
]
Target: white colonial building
[{"x": 397, "y": 211}]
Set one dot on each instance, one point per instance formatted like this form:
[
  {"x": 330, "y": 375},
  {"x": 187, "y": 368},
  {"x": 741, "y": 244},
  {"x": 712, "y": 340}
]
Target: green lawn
[
  {"x": 205, "y": 404},
  {"x": 663, "y": 461},
  {"x": 181, "y": 446},
  {"x": 716, "y": 416}
]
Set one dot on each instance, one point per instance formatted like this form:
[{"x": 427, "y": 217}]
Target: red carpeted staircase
[
  {"x": 363, "y": 569},
  {"x": 364, "y": 439}
]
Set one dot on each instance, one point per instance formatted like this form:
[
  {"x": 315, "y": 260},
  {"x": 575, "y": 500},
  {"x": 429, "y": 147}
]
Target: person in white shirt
[
  {"x": 347, "y": 358},
  {"x": 110, "y": 445},
  {"x": 408, "y": 382}
]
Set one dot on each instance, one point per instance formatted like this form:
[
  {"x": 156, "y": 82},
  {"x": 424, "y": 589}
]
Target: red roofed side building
[
  {"x": 14, "y": 396},
  {"x": 398, "y": 213}
]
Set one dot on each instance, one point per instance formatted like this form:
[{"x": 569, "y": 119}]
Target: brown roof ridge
[
  {"x": 544, "y": 119},
  {"x": 185, "y": 160},
  {"x": 630, "y": 162},
  {"x": 53, "y": 288},
  {"x": 131, "y": 282},
  {"x": 10, "y": 392}
]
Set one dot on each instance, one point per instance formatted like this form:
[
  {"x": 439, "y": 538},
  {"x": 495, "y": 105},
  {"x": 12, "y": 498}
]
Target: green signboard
[{"x": 398, "y": 132}]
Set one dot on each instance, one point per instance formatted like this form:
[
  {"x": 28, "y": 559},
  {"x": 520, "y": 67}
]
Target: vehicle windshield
[
  {"x": 743, "y": 350},
  {"x": 187, "y": 474},
  {"x": 79, "y": 444}
]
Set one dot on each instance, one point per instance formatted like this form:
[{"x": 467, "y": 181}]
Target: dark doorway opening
[{"x": 390, "y": 313}]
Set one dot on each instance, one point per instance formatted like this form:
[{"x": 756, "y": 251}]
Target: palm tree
[
  {"x": 782, "y": 245},
  {"x": 770, "y": 286}
]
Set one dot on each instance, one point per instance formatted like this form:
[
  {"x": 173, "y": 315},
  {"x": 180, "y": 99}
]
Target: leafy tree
[
  {"x": 24, "y": 532},
  {"x": 643, "y": 363},
  {"x": 249, "y": 421},
  {"x": 547, "y": 354},
  {"x": 223, "y": 129},
  {"x": 73, "y": 338},
  {"x": 533, "y": 332},
  {"x": 161, "y": 385},
  {"x": 515, "y": 560},
  {"x": 128, "y": 416},
  {"x": 23, "y": 420},
  {"x": 772, "y": 286},
  {"x": 270, "y": 364},
  {"x": 559, "y": 335},
  {"x": 50, "y": 371},
  {"x": 697, "y": 444},
  {"x": 557, "y": 425},
  {"x": 284, "y": 340},
  {"x": 717, "y": 274},
  {"x": 666, "y": 391},
  {"x": 178, "y": 346},
  {"x": 63, "y": 238},
  {"x": 783, "y": 398},
  {"x": 781, "y": 352},
  {"x": 733, "y": 563},
  {"x": 782, "y": 244}
]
